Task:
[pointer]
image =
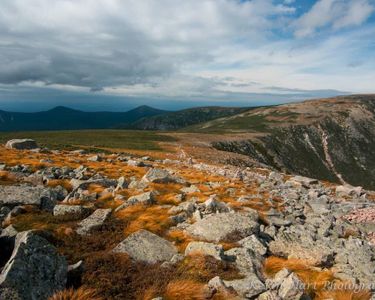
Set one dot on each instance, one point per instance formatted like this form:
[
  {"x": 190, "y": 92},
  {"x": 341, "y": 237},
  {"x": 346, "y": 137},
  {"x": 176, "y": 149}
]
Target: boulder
[
  {"x": 212, "y": 205},
  {"x": 95, "y": 158},
  {"x": 14, "y": 195},
  {"x": 34, "y": 271},
  {"x": 216, "y": 284},
  {"x": 225, "y": 226},
  {"x": 249, "y": 266},
  {"x": 348, "y": 190},
  {"x": 122, "y": 183},
  {"x": 145, "y": 198},
  {"x": 187, "y": 207},
  {"x": 301, "y": 180},
  {"x": 9, "y": 231},
  {"x": 159, "y": 176},
  {"x": 147, "y": 247},
  {"x": 254, "y": 244},
  {"x": 190, "y": 190},
  {"x": 291, "y": 288},
  {"x": 94, "y": 221},
  {"x": 21, "y": 144},
  {"x": 300, "y": 242},
  {"x": 77, "y": 210},
  {"x": 204, "y": 248}
]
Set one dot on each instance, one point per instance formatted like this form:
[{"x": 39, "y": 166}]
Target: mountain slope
[
  {"x": 183, "y": 118},
  {"x": 63, "y": 118},
  {"x": 331, "y": 139}
]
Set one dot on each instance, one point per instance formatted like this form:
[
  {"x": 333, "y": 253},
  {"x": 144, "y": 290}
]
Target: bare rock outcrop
[
  {"x": 21, "y": 144},
  {"x": 146, "y": 246},
  {"x": 34, "y": 271}
]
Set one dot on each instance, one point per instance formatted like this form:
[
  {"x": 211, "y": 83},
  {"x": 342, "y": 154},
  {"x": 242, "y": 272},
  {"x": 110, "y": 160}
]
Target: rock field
[{"x": 137, "y": 227}]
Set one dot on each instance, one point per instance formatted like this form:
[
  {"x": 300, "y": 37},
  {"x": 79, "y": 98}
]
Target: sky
[{"x": 117, "y": 54}]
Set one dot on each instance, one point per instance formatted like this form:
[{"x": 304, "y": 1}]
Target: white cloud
[
  {"x": 179, "y": 49},
  {"x": 335, "y": 13}
]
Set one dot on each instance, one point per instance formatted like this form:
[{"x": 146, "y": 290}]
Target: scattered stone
[
  {"x": 147, "y": 198},
  {"x": 159, "y": 176},
  {"x": 219, "y": 227},
  {"x": 146, "y": 246},
  {"x": 14, "y": 195},
  {"x": 122, "y": 183},
  {"x": 304, "y": 181},
  {"x": 94, "y": 221},
  {"x": 34, "y": 271},
  {"x": 216, "y": 284},
  {"x": 95, "y": 158},
  {"x": 78, "y": 211},
  {"x": 347, "y": 190},
  {"x": 205, "y": 248},
  {"x": 254, "y": 244},
  {"x": 212, "y": 205},
  {"x": 187, "y": 207},
  {"x": 135, "y": 163},
  {"x": 21, "y": 144},
  {"x": 298, "y": 242},
  {"x": 190, "y": 190},
  {"x": 9, "y": 231},
  {"x": 291, "y": 288}
]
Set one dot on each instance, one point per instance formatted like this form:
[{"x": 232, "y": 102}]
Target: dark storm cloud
[{"x": 23, "y": 62}]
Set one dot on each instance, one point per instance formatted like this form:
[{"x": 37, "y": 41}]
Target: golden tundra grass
[
  {"x": 79, "y": 294},
  {"x": 314, "y": 278}
]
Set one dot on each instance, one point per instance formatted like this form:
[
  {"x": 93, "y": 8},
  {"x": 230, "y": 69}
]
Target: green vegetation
[
  {"x": 187, "y": 117},
  {"x": 247, "y": 123},
  {"x": 92, "y": 139}
]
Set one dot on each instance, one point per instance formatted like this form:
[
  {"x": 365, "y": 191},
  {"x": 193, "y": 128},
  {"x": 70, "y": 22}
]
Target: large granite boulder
[
  {"x": 225, "y": 226},
  {"x": 78, "y": 211},
  {"x": 160, "y": 176},
  {"x": 94, "y": 221},
  {"x": 146, "y": 246},
  {"x": 15, "y": 195},
  {"x": 35, "y": 271},
  {"x": 249, "y": 265},
  {"x": 21, "y": 144},
  {"x": 147, "y": 198},
  {"x": 205, "y": 248}
]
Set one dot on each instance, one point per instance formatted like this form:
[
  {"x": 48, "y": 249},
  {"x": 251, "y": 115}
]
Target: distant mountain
[
  {"x": 64, "y": 118},
  {"x": 183, "y": 118},
  {"x": 143, "y": 117},
  {"x": 331, "y": 139}
]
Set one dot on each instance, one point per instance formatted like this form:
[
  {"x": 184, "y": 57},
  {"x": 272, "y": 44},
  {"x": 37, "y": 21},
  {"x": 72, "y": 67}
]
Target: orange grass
[
  {"x": 79, "y": 294},
  {"x": 180, "y": 239},
  {"x": 315, "y": 279},
  {"x": 228, "y": 245},
  {"x": 185, "y": 290},
  {"x": 154, "y": 218},
  {"x": 62, "y": 182},
  {"x": 343, "y": 294},
  {"x": 95, "y": 188},
  {"x": 7, "y": 177}
]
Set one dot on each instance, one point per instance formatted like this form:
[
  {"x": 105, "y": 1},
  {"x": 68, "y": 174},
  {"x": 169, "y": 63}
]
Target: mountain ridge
[{"x": 65, "y": 118}]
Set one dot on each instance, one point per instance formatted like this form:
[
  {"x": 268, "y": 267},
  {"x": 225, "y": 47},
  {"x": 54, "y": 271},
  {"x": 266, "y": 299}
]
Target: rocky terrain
[
  {"x": 330, "y": 139},
  {"x": 78, "y": 225}
]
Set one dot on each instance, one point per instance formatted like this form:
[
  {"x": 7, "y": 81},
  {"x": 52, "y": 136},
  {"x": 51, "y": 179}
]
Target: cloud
[
  {"x": 336, "y": 14},
  {"x": 182, "y": 50},
  {"x": 110, "y": 43}
]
